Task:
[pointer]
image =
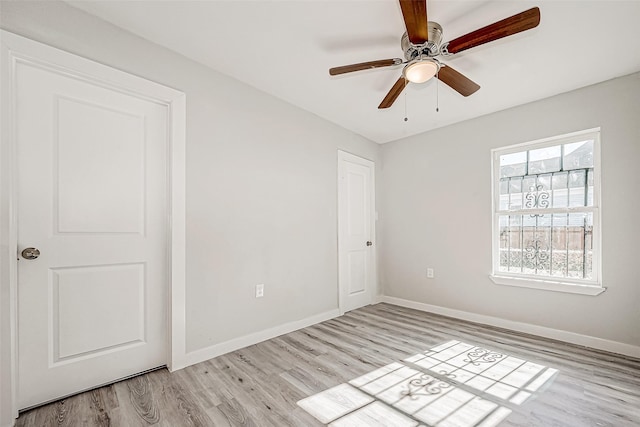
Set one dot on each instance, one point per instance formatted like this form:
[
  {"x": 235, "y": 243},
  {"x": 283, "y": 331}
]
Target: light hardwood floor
[{"x": 260, "y": 385}]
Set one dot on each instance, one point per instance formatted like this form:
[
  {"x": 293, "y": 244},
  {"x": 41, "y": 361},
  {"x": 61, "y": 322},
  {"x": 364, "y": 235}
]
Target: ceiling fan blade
[
  {"x": 364, "y": 66},
  {"x": 517, "y": 23},
  {"x": 458, "y": 82},
  {"x": 414, "y": 13},
  {"x": 393, "y": 93}
]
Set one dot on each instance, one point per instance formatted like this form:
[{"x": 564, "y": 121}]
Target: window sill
[{"x": 546, "y": 285}]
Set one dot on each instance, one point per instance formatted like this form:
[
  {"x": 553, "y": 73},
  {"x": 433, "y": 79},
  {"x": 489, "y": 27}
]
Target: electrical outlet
[
  {"x": 260, "y": 290},
  {"x": 429, "y": 273}
]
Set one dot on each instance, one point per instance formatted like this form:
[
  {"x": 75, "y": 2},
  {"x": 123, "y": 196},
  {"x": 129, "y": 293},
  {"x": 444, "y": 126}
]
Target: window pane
[
  {"x": 537, "y": 195},
  {"x": 558, "y": 245},
  {"x": 514, "y": 164},
  {"x": 515, "y": 243},
  {"x": 545, "y": 181},
  {"x": 537, "y": 246},
  {"x": 528, "y": 236},
  {"x": 590, "y": 187},
  {"x": 577, "y": 181},
  {"x": 578, "y": 155},
  {"x": 579, "y": 230},
  {"x": 511, "y": 243},
  {"x": 559, "y": 257},
  {"x": 515, "y": 192},
  {"x": 560, "y": 191},
  {"x": 545, "y": 160},
  {"x": 588, "y": 247},
  {"x": 529, "y": 183},
  {"x": 504, "y": 195},
  {"x": 503, "y": 223},
  {"x": 575, "y": 251}
]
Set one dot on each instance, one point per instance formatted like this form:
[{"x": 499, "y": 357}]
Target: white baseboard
[
  {"x": 566, "y": 336},
  {"x": 216, "y": 350}
]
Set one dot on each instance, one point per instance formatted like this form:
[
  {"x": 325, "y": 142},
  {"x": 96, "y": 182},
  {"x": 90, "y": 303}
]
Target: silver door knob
[
  {"x": 369, "y": 243},
  {"x": 30, "y": 253}
]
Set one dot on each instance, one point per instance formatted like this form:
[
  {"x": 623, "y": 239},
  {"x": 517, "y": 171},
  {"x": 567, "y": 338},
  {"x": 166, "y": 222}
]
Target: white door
[
  {"x": 356, "y": 231},
  {"x": 91, "y": 194}
]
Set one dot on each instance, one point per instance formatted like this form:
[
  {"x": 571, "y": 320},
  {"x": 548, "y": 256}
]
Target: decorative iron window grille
[{"x": 546, "y": 210}]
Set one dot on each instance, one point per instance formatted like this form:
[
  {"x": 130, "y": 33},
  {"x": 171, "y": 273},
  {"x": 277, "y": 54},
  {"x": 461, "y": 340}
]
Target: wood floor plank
[
  {"x": 99, "y": 407},
  {"x": 260, "y": 385},
  {"x": 179, "y": 406},
  {"x": 143, "y": 400}
]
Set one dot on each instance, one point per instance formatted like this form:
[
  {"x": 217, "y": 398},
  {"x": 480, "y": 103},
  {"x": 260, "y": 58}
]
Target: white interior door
[
  {"x": 91, "y": 194},
  {"x": 356, "y": 231}
]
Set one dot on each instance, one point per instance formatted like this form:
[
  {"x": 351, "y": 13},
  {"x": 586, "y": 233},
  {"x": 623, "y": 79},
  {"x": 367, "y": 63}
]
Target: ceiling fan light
[{"x": 420, "y": 70}]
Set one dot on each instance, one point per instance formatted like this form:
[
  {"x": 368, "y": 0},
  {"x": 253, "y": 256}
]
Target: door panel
[
  {"x": 92, "y": 187},
  {"x": 356, "y": 177},
  {"x": 356, "y": 227},
  {"x": 86, "y": 190},
  {"x": 83, "y": 293}
]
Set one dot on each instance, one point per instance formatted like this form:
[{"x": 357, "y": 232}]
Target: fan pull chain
[
  {"x": 437, "y": 98},
  {"x": 405, "y": 100}
]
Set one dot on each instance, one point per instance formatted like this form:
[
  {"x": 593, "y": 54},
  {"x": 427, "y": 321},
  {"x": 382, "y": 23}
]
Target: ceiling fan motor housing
[{"x": 429, "y": 48}]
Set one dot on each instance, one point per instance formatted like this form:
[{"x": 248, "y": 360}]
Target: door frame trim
[
  {"x": 14, "y": 49},
  {"x": 344, "y": 156}
]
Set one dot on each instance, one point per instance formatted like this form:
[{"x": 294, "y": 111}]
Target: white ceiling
[{"x": 285, "y": 48}]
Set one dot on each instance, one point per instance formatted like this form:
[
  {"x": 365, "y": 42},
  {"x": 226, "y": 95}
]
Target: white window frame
[{"x": 576, "y": 286}]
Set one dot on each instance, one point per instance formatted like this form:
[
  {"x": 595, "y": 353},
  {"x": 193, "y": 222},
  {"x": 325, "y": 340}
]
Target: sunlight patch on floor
[{"x": 453, "y": 384}]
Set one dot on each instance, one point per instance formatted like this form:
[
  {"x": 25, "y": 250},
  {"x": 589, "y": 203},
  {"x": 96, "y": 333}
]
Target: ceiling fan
[{"x": 422, "y": 45}]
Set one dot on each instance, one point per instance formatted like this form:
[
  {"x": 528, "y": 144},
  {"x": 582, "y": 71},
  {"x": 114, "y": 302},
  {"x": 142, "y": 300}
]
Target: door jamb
[{"x": 16, "y": 49}]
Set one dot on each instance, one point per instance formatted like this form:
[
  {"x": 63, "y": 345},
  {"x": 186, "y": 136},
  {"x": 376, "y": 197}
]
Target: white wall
[
  {"x": 261, "y": 182},
  {"x": 436, "y": 193}
]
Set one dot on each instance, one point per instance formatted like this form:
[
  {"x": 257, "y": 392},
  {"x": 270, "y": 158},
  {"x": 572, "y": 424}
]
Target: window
[{"x": 546, "y": 229}]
